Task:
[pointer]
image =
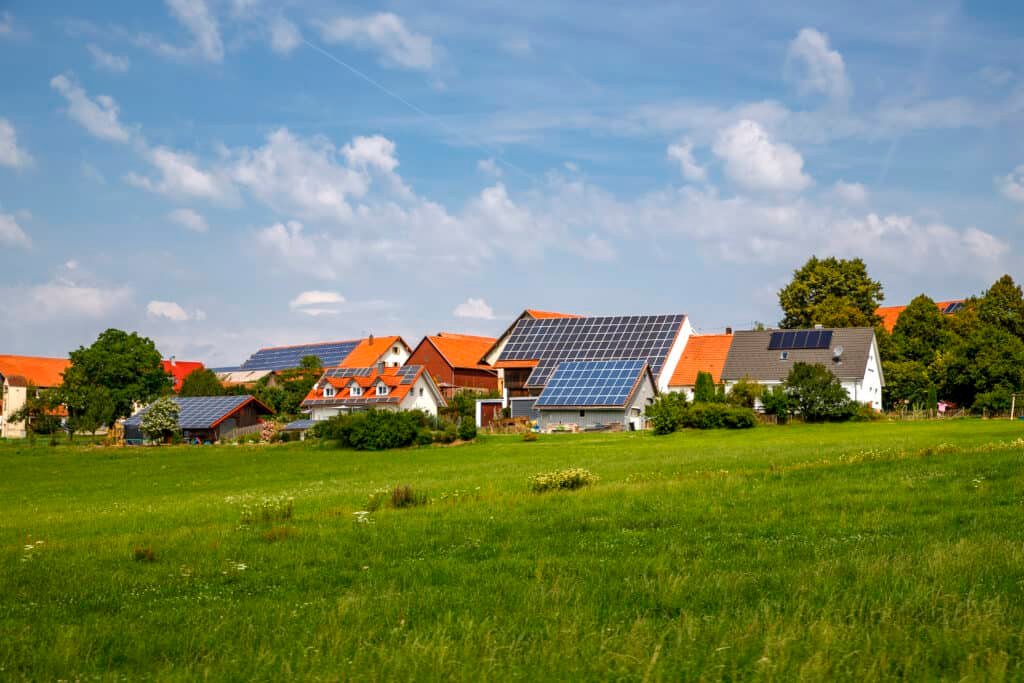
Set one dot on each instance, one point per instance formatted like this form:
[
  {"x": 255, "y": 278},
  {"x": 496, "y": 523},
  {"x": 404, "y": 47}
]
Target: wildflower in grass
[
  {"x": 362, "y": 516},
  {"x": 561, "y": 480}
]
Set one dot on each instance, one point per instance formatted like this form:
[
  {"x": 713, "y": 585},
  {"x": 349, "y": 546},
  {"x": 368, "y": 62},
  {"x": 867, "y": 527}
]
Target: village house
[
  {"x": 390, "y": 351},
  {"x": 19, "y": 374},
  {"x": 454, "y": 362},
  {"x": 767, "y": 357},
  {"x": 891, "y": 314},
  {"x": 703, "y": 353},
  {"x": 349, "y": 390},
  {"x": 179, "y": 370},
  {"x": 597, "y": 394},
  {"x": 207, "y": 419}
]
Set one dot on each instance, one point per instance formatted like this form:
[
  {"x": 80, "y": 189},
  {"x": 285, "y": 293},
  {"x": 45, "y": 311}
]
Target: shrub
[
  {"x": 446, "y": 435},
  {"x": 405, "y": 496},
  {"x": 144, "y": 554},
  {"x": 745, "y": 393},
  {"x": 865, "y": 413},
  {"x": 530, "y": 436},
  {"x": 704, "y": 388},
  {"x": 776, "y": 402},
  {"x": 817, "y": 394},
  {"x": 267, "y": 510},
  {"x": 375, "y": 430},
  {"x": 424, "y": 437},
  {"x": 996, "y": 401},
  {"x": 562, "y": 480},
  {"x": 666, "y": 412},
  {"x": 467, "y": 429},
  {"x": 718, "y": 416},
  {"x": 161, "y": 420}
]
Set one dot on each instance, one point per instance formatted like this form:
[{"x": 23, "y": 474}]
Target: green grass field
[{"x": 860, "y": 551}]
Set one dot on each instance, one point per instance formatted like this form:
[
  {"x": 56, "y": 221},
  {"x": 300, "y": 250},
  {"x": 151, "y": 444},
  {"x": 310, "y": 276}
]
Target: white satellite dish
[{"x": 837, "y": 352}]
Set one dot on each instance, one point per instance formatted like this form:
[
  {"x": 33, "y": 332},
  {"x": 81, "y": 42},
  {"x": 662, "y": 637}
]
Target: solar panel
[
  {"x": 196, "y": 412},
  {"x": 953, "y": 307},
  {"x": 554, "y": 340},
  {"x": 408, "y": 373},
  {"x": 591, "y": 383},
  {"x": 800, "y": 339},
  {"x": 288, "y": 357},
  {"x": 349, "y": 372}
]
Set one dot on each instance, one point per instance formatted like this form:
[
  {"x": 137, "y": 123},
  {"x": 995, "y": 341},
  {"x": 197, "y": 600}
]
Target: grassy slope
[{"x": 854, "y": 551}]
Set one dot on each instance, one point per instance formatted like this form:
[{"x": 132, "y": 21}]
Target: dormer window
[
  {"x": 355, "y": 390},
  {"x": 329, "y": 391},
  {"x": 382, "y": 389}
]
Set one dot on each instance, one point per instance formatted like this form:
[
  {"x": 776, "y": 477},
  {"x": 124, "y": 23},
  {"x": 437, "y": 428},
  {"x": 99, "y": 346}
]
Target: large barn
[{"x": 454, "y": 362}]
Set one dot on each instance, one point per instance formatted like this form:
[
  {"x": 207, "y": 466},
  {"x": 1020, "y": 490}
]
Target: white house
[
  {"x": 850, "y": 353},
  {"x": 349, "y": 390},
  {"x": 17, "y": 374}
]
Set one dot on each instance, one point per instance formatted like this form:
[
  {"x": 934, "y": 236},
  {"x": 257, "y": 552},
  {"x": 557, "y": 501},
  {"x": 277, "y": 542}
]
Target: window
[
  {"x": 784, "y": 355},
  {"x": 382, "y": 389},
  {"x": 583, "y": 413},
  {"x": 395, "y": 350},
  {"x": 329, "y": 391},
  {"x": 421, "y": 391},
  {"x": 355, "y": 390}
]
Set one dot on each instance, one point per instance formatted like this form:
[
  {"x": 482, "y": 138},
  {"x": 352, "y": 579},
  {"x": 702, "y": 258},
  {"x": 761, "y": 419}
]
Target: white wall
[
  {"x": 14, "y": 398},
  {"x": 674, "y": 354},
  {"x": 421, "y": 397}
]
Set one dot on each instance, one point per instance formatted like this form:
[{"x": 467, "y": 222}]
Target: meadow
[{"x": 834, "y": 552}]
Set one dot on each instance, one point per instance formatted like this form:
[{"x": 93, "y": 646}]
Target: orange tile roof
[
  {"x": 516, "y": 364},
  {"x": 180, "y": 370},
  {"x": 703, "y": 353},
  {"x": 369, "y": 350},
  {"x": 42, "y": 372},
  {"x": 463, "y": 350},
  {"x": 891, "y": 314},
  {"x": 390, "y": 377},
  {"x": 550, "y": 314}
]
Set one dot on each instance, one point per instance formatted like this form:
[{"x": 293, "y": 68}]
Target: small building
[
  {"x": 454, "y": 362},
  {"x": 601, "y": 394},
  {"x": 351, "y": 390},
  {"x": 17, "y": 375},
  {"x": 703, "y": 353},
  {"x": 850, "y": 353},
  {"x": 890, "y": 315},
  {"x": 206, "y": 418},
  {"x": 179, "y": 370}
]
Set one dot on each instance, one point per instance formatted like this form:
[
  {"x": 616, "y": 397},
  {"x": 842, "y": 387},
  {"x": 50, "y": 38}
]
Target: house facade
[
  {"x": 767, "y": 357},
  {"x": 453, "y": 362},
  {"x": 351, "y": 390},
  {"x": 19, "y": 374}
]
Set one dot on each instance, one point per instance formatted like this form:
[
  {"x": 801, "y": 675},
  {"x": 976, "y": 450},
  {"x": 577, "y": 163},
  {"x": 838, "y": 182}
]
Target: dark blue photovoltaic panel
[
  {"x": 800, "y": 339},
  {"x": 554, "y": 340},
  {"x": 591, "y": 383},
  {"x": 196, "y": 412},
  {"x": 408, "y": 373},
  {"x": 953, "y": 307},
  {"x": 288, "y": 357},
  {"x": 349, "y": 372}
]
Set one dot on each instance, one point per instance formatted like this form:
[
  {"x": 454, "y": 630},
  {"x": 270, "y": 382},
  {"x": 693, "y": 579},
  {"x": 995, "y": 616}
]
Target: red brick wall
[{"x": 428, "y": 356}]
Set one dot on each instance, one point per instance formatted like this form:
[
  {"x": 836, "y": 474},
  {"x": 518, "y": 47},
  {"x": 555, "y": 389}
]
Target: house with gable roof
[
  {"x": 349, "y": 390},
  {"x": 703, "y": 353},
  {"x": 454, "y": 362},
  {"x": 17, "y": 375}
]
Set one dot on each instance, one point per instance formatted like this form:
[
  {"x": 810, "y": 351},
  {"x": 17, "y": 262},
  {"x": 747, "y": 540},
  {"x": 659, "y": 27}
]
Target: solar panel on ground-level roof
[
  {"x": 591, "y": 383},
  {"x": 196, "y": 412},
  {"x": 552, "y": 341},
  {"x": 288, "y": 357}
]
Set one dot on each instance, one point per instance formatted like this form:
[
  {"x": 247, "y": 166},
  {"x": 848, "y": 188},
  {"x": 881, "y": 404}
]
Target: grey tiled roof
[{"x": 750, "y": 358}]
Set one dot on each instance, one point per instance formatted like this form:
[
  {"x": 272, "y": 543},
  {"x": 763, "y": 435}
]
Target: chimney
[
  {"x": 728, "y": 330},
  {"x": 370, "y": 339}
]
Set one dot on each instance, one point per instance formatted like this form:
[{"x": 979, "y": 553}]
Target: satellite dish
[{"x": 837, "y": 352}]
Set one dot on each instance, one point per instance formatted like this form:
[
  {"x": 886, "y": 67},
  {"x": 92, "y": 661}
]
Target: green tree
[
  {"x": 89, "y": 408},
  {"x": 285, "y": 391},
  {"x": 1002, "y": 306},
  {"x": 704, "y": 388},
  {"x": 201, "y": 382},
  {"x": 831, "y": 292},
  {"x": 745, "y": 393},
  {"x": 776, "y": 402},
  {"x": 161, "y": 420},
  {"x": 989, "y": 359},
  {"x": 37, "y": 412},
  {"x": 921, "y": 332},
  {"x": 127, "y": 365},
  {"x": 817, "y": 394},
  {"x": 665, "y": 413},
  {"x": 907, "y": 383}
]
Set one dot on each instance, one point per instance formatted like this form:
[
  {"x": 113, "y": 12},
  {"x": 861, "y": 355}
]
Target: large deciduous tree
[
  {"x": 201, "y": 382},
  {"x": 831, "y": 292}
]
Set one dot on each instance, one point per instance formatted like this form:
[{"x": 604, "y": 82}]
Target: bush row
[{"x": 379, "y": 430}]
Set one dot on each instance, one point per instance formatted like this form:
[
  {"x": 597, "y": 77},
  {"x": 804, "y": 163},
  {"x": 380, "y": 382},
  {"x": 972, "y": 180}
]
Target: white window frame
[
  {"x": 355, "y": 390},
  {"x": 329, "y": 391},
  {"x": 382, "y": 389}
]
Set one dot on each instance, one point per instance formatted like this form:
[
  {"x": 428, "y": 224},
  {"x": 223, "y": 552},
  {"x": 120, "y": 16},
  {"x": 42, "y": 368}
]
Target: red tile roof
[
  {"x": 180, "y": 370},
  {"x": 369, "y": 350},
  {"x": 550, "y": 314},
  {"x": 703, "y": 353},
  {"x": 891, "y": 314},
  {"x": 389, "y": 376},
  {"x": 42, "y": 372},
  {"x": 463, "y": 351}
]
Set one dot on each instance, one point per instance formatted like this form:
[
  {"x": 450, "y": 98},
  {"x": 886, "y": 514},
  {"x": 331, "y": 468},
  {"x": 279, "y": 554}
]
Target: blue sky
[{"x": 226, "y": 174}]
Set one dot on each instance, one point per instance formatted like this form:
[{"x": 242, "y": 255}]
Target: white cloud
[
  {"x": 682, "y": 153},
  {"x": 474, "y": 308},
  {"x": 99, "y": 116},
  {"x": 195, "y": 16},
  {"x": 286, "y": 241},
  {"x": 11, "y": 233},
  {"x": 284, "y": 35},
  {"x": 816, "y": 67},
  {"x": 300, "y": 177},
  {"x": 754, "y": 161},
  {"x": 851, "y": 193},
  {"x": 180, "y": 176},
  {"x": 317, "y": 303},
  {"x": 189, "y": 219},
  {"x": 105, "y": 60},
  {"x": 61, "y": 300},
  {"x": 490, "y": 167},
  {"x": 10, "y": 154},
  {"x": 167, "y": 310},
  {"x": 1012, "y": 184},
  {"x": 374, "y": 151},
  {"x": 386, "y": 33}
]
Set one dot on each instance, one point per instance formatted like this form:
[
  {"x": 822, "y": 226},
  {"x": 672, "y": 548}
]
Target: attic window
[
  {"x": 784, "y": 355},
  {"x": 329, "y": 391},
  {"x": 382, "y": 389},
  {"x": 355, "y": 390},
  {"x": 395, "y": 350}
]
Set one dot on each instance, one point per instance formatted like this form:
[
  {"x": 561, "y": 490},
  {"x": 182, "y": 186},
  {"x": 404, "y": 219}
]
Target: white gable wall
[{"x": 674, "y": 354}]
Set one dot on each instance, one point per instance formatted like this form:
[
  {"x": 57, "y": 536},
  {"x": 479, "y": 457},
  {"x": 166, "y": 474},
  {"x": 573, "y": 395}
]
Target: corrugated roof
[
  {"x": 40, "y": 371},
  {"x": 890, "y": 315},
  {"x": 749, "y": 356},
  {"x": 463, "y": 350},
  {"x": 369, "y": 350},
  {"x": 703, "y": 353}
]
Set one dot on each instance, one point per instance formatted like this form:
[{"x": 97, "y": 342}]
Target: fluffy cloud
[
  {"x": 288, "y": 243},
  {"x": 317, "y": 303},
  {"x": 169, "y": 310},
  {"x": 816, "y": 67},
  {"x": 11, "y": 234},
  {"x": 179, "y": 176},
  {"x": 386, "y": 33},
  {"x": 10, "y": 154},
  {"x": 474, "y": 308},
  {"x": 490, "y": 167},
  {"x": 682, "y": 153},
  {"x": 1012, "y": 184},
  {"x": 63, "y": 300},
  {"x": 197, "y": 19},
  {"x": 851, "y": 193},
  {"x": 189, "y": 220},
  {"x": 98, "y": 116},
  {"x": 756, "y": 162},
  {"x": 284, "y": 36},
  {"x": 105, "y": 60}
]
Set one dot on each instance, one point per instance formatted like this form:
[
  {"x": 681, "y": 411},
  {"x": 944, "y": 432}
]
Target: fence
[{"x": 241, "y": 431}]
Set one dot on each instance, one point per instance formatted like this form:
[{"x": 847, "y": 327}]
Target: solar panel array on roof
[
  {"x": 800, "y": 339},
  {"x": 551, "y": 341},
  {"x": 408, "y": 373},
  {"x": 288, "y": 357},
  {"x": 349, "y": 372},
  {"x": 196, "y": 412},
  {"x": 953, "y": 307},
  {"x": 591, "y": 383}
]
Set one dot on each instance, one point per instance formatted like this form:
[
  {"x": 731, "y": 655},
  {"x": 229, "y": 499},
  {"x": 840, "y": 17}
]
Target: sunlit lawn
[{"x": 859, "y": 551}]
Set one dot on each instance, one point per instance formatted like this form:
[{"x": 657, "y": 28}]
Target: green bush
[
  {"x": 865, "y": 413},
  {"x": 467, "y": 429},
  {"x": 996, "y": 401},
  {"x": 447, "y": 435},
  {"x": 375, "y": 430},
  {"x": 718, "y": 416},
  {"x": 562, "y": 480},
  {"x": 665, "y": 413},
  {"x": 424, "y": 437},
  {"x": 817, "y": 395},
  {"x": 776, "y": 402},
  {"x": 744, "y": 393}
]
